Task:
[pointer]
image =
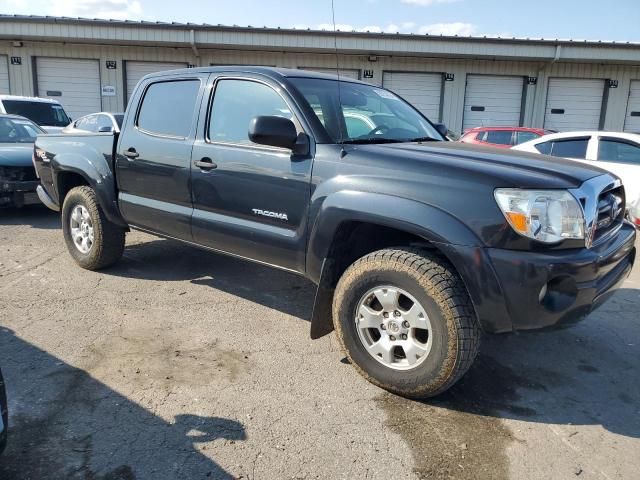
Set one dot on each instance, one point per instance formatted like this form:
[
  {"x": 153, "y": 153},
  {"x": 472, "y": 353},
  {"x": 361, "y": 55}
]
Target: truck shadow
[
  {"x": 38, "y": 216},
  {"x": 168, "y": 260},
  {"x": 66, "y": 424},
  {"x": 584, "y": 375}
]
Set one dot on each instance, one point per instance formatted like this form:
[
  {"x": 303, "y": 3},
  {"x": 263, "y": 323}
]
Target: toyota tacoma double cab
[{"x": 417, "y": 245}]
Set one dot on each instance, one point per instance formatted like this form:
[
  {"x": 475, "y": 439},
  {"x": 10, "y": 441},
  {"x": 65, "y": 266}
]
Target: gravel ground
[{"x": 179, "y": 363}]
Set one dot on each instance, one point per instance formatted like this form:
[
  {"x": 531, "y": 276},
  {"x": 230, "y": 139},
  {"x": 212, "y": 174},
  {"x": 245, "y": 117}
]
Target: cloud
[
  {"x": 448, "y": 29},
  {"x": 116, "y": 9},
  {"x": 427, "y": 3}
]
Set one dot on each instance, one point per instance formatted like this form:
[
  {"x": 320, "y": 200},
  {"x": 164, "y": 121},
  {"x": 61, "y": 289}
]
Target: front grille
[
  {"x": 18, "y": 174},
  {"x": 610, "y": 212}
]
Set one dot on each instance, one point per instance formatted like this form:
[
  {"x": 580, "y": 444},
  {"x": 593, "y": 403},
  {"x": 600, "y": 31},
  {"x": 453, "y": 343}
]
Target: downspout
[
  {"x": 544, "y": 67},
  {"x": 192, "y": 41}
]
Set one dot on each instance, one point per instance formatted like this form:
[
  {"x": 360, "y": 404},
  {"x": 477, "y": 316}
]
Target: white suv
[{"x": 47, "y": 113}]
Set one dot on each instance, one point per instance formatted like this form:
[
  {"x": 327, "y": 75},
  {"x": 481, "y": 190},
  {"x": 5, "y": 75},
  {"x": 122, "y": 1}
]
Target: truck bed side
[{"x": 65, "y": 161}]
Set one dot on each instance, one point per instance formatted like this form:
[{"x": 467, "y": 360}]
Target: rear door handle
[
  {"x": 131, "y": 153},
  {"x": 205, "y": 163}
]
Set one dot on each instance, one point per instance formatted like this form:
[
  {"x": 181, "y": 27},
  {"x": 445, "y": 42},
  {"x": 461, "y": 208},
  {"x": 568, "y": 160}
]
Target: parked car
[
  {"x": 616, "y": 152},
  {"x": 4, "y": 415},
  {"x": 102, "y": 122},
  {"x": 416, "y": 244},
  {"x": 47, "y": 113},
  {"x": 634, "y": 212},
  {"x": 501, "y": 137},
  {"x": 18, "y": 179}
]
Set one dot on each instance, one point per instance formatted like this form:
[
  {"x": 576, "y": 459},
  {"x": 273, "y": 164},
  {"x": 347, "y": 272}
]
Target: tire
[
  {"x": 108, "y": 239},
  {"x": 446, "y": 327}
]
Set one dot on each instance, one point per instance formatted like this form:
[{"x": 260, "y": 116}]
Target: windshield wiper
[
  {"x": 423, "y": 139},
  {"x": 357, "y": 141}
]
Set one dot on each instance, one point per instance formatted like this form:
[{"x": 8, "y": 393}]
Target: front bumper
[
  {"x": 18, "y": 192},
  {"x": 524, "y": 290},
  {"x": 560, "y": 287}
]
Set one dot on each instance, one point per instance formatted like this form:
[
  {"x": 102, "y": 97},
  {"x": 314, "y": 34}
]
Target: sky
[{"x": 576, "y": 19}]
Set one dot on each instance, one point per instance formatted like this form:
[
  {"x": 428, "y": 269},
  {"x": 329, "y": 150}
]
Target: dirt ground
[{"x": 182, "y": 364}]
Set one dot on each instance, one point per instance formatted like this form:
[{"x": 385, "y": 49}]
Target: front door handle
[
  {"x": 205, "y": 163},
  {"x": 131, "y": 153}
]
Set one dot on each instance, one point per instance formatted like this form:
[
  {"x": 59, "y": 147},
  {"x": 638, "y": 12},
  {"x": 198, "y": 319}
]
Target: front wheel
[
  {"x": 92, "y": 240},
  {"x": 406, "y": 322}
]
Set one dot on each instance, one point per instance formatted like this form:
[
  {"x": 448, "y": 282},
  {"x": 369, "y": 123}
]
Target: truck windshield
[
  {"x": 357, "y": 113},
  {"x": 15, "y": 130},
  {"x": 42, "y": 113}
]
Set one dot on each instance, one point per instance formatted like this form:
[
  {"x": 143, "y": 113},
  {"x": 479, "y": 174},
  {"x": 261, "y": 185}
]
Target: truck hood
[
  {"x": 506, "y": 168},
  {"x": 16, "y": 155}
]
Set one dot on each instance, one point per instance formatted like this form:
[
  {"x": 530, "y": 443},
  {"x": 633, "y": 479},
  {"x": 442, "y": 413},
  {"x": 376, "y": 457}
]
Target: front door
[
  {"x": 154, "y": 154},
  {"x": 249, "y": 200}
]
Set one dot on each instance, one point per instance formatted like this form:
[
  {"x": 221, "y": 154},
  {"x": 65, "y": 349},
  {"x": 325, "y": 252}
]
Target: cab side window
[
  {"x": 570, "y": 148},
  {"x": 236, "y": 103},
  {"x": 499, "y": 137},
  {"x": 168, "y": 108}
]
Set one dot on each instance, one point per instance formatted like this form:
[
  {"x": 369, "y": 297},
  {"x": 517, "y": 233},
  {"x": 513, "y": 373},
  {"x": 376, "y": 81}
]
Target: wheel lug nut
[
  {"x": 405, "y": 324},
  {"x": 396, "y": 313},
  {"x": 392, "y": 338},
  {"x": 403, "y": 336},
  {"x": 383, "y": 327},
  {"x": 385, "y": 314}
]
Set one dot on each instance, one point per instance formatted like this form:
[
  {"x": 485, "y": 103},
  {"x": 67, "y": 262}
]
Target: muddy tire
[
  {"x": 406, "y": 322},
  {"x": 92, "y": 240}
]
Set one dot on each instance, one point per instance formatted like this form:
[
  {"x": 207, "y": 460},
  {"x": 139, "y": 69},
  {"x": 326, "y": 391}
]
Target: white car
[
  {"x": 44, "y": 112},
  {"x": 101, "y": 122},
  {"x": 616, "y": 152}
]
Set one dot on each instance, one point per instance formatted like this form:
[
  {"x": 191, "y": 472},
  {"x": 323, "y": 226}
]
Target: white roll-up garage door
[
  {"x": 136, "y": 70},
  {"x": 573, "y": 104},
  {"x": 632, "y": 120},
  {"x": 343, "y": 72},
  {"x": 4, "y": 75},
  {"x": 422, "y": 90},
  {"x": 74, "y": 83},
  {"x": 492, "y": 100}
]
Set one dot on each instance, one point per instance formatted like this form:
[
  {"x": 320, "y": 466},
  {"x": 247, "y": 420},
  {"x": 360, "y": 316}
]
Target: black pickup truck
[{"x": 416, "y": 244}]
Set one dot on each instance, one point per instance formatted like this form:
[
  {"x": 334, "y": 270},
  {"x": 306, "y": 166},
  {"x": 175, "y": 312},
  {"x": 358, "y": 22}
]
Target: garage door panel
[
  {"x": 136, "y": 70},
  {"x": 632, "y": 119},
  {"x": 422, "y": 90},
  {"x": 573, "y": 104},
  {"x": 4, "y": 74},
  {"x": 76, "y": 83},
  {"x": 492, "y": 101}
]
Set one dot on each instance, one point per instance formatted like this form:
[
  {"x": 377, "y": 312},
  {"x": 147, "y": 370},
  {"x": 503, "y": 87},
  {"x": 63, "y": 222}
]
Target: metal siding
[
  {"x": 77, "y": 80},
  {"x": 422, "y": 90},
  {"x": 500, "y": 97},
  {"x": 4, "y": 74},
  {"x": 137, "y": 70},
  {"x": 632, "y": 118},
  {"x": 581, "y": 101}
]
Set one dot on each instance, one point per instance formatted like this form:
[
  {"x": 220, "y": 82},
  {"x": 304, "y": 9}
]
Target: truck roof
[
  {"x": 274, "y": 72},
  {"x": 28, "y": 99}
]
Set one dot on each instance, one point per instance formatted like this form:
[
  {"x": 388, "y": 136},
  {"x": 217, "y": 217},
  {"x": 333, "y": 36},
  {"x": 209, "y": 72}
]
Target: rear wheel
[
  {"x": 92, "y": 240},
  {"x": 405, "y": 320}
]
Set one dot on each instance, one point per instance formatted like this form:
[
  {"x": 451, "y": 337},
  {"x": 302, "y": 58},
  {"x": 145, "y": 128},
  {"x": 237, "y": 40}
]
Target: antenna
[{"x": 335, "y": 47}]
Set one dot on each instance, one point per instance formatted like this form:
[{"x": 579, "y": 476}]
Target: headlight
[{"x": 545, "y": 215}]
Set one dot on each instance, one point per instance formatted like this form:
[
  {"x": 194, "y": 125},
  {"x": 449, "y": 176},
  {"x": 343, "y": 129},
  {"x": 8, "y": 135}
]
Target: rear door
[
  {"x": 154, "y": 154},
  {"x": 249, "y": 200}
]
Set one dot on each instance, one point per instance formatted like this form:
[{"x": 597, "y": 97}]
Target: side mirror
[
  {"x": 273, "y": 131},
  {"x": 442, "y": 129},
  {"x": 105, "y": 129}
]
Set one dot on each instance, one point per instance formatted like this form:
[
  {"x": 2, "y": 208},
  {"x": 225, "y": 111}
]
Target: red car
[{"x": 502, "y": 137}]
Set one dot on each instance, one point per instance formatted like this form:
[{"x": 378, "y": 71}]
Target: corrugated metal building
[{"x": 92, "y": 65}]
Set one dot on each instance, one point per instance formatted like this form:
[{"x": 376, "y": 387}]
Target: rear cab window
[
  {"x": 499, "y": 137},
  {"x": 168, "y": 108},
  {"x": 570, "y": 148},
  {"x": 522, "y": 137}
]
